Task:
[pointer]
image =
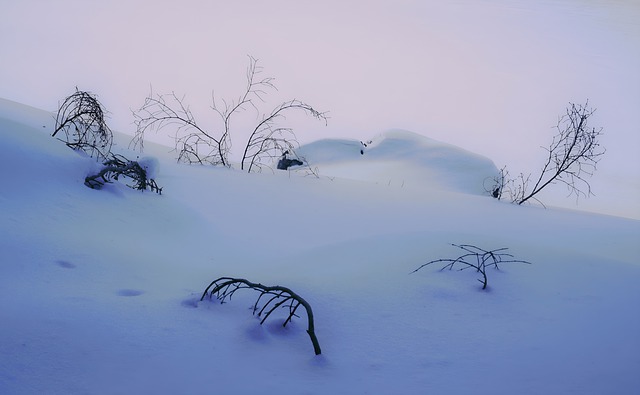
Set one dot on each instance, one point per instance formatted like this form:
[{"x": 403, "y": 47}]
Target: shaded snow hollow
[{"x": 99, "y": 290}]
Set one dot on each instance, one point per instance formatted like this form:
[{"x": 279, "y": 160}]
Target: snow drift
[{"x": 401, "y": 157}]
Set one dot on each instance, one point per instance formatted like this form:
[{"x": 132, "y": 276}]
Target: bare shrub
[
  {"x": 81, "y": 118},
  {"x": 193, "y": 144},
  {"x": 119, "y": 166},
  {"x": 476, "y": 258},
  {"x": 269, "y": 300}
]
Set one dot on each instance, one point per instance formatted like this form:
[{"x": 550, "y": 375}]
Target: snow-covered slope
[
  {"x": 99, "y": 290},
  {"x": 399, "y": 157}
]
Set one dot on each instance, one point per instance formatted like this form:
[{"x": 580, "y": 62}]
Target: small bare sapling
[{"x": 476, "y": 258}]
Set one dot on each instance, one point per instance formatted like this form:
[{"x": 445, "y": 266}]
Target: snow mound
[{"x": 400, "y": 157}]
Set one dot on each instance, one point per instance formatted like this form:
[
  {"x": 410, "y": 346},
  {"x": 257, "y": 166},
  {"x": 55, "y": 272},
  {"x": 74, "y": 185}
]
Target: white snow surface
[
  {"x": 100, "y": 289},
  {"x": 400, "y": 157}
]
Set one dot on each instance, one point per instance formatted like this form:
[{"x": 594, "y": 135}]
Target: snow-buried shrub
[{"x": 119, "y": 166}]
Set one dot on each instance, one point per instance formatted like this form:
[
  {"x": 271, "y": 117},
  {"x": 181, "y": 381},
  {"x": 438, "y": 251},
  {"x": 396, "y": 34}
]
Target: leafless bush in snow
[
  {"x": 269, "y": 300},
  {"x": 81, "y": 118},
  {"x": 119, "y": 166},
  {"x": 476, "y": 258}
]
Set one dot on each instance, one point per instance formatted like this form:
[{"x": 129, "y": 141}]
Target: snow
[
  {"x": 150, "y": 166},
  {"x": 99, "y": 290},
  {"x": 400, "y": 156}
]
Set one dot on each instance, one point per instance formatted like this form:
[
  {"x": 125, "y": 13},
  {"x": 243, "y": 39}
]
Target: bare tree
[
  {"x": 268, "y": 142},
  {"x": 255, "y": 89},
  {"x": 82, "y": 119},
  {"x": 572, "y": 157},
  {"x": 194, "y": 144},
  {"x": 270, "y": 299}
]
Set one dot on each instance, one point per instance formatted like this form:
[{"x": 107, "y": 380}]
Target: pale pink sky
[{"x": 488, "y": 75}]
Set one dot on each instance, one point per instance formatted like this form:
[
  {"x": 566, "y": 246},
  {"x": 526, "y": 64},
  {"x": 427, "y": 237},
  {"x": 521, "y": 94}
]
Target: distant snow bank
[{"x": 400, "y": 157}]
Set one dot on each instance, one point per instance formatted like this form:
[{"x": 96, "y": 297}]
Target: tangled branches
[
  {"x": 81, "y": 118},
  {"x": 476, "y": 258},
  {"x": 269, "y": 300},
  {"x": 118, "y": 166}
]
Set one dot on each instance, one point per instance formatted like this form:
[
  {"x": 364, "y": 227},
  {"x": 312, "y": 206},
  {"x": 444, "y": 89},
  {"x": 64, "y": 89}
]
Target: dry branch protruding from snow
[
  {"x": 476, "y": 258},
  {"x": 270, "y": 298}
]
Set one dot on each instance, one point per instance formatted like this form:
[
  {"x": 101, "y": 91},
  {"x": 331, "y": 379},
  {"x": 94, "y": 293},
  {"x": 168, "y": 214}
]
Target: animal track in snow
[
  {"x": 65, "y": 264},
  {"x": 130, "y": 292},
  {"x": 192, "y": 302}
]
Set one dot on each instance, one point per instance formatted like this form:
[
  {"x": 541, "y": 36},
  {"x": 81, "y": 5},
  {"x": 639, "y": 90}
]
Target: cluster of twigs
[
  {"x": 476, "y": 258},
  {"x": 270, "y": 299},
  {"x": 82, "y": 119},
  {"x": 119, "y": 166}
]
